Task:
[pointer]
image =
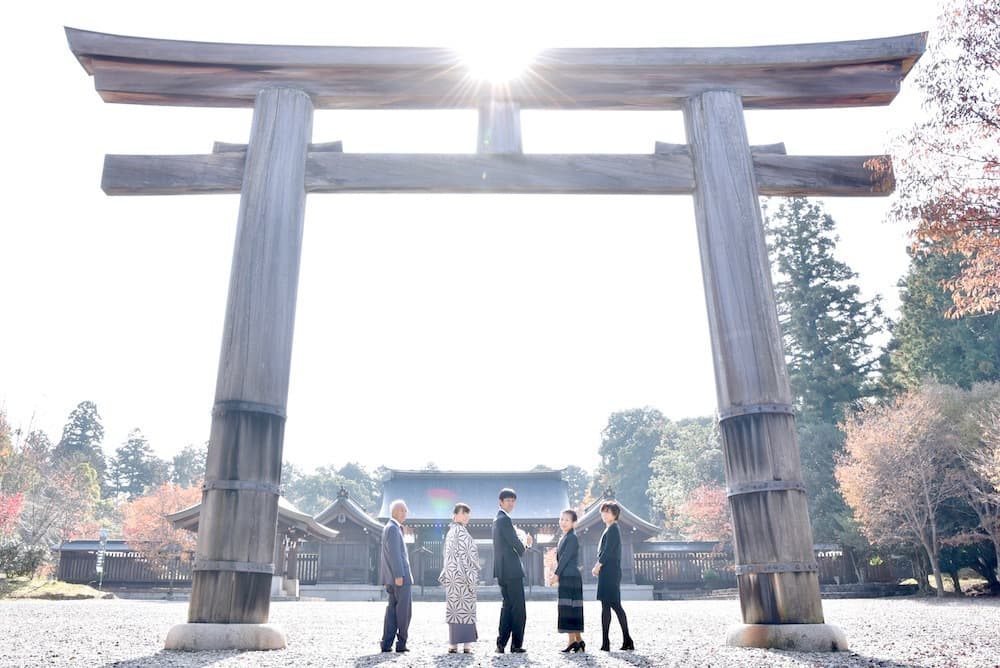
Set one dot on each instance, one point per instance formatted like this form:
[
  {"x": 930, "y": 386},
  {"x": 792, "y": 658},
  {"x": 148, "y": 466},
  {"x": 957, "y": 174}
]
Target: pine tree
[
  {"x": 627, "y": 446},
  {"x": 135, "y": 468},
  {"x": 926, "y": 344},
  {"x": 81, "y": 438},
  {"x": 826, "y": 328}
]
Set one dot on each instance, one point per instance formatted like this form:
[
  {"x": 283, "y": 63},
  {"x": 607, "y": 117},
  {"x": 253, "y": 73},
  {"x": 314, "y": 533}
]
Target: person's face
[
  {"x": 566, "y": 523},
  {"x": 461, "y": 517},
  {"x": 399, "y": 513},
  {"x": 508, "y": 504},
  {"x": 607, "y": 516}
]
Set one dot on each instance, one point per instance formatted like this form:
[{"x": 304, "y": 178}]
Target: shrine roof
[
  {"x": 431, "y": 495},
  {"x": 289, "y": 517}
]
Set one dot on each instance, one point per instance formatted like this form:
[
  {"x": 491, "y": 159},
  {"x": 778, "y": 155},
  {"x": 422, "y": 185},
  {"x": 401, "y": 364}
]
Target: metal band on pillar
[
  {"x": 755, "y": 409},
  {"x": 766, "y": 486},
  {"x": 223, "y": 407},
  {"x": 780, "y": 567},
  {"x": 233, "y": 566},
  {"x": 242, "y": 485}
]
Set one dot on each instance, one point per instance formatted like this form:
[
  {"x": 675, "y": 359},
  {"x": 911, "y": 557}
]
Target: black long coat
[{"x": 609, "y": 555}]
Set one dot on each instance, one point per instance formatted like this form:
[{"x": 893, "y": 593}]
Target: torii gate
[{"x": 775, "y": 566}]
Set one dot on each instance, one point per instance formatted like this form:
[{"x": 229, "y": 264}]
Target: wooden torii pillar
[{"x": 776, "y": 570}]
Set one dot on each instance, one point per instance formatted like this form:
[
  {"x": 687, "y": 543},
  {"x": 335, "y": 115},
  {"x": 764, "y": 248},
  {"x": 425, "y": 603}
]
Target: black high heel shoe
[
  {"x": 572, "y": 647},
  {"x": 628, "y": 644},
  {"x": 606, "y": 647},
  {"x": 581, "y": 646}
]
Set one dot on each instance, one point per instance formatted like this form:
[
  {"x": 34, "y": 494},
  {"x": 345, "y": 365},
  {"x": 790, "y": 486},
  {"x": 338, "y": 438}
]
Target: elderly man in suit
[
  {"x": 507, "y": 551},
  {"x": 394, "y": 573}
]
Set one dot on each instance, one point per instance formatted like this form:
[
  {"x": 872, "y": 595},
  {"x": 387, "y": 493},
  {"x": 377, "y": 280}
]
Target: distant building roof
[
  {"x": 345, "y": 505},
  {"x": 111, "y": 545},
  {"x": 431, "y": 495},
  {"x": 289, "y": 517}
]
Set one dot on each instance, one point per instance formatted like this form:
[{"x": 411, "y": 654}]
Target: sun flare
[{"x": 497, "y": 63}]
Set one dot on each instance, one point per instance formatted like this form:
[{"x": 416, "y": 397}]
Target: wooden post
[
  {"x": 236, "y": 536},
  {"x": 775, "y": 566},
  {"x": 499, "y": 127}
]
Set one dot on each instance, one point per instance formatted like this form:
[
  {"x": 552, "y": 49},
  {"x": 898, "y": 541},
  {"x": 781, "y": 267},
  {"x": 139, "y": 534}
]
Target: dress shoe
[
  {"x": 517, "y": 650},
  {"x": 402, "y": 649},
  {"x": 499, "y": 649},
  {"x": 385, "y": 649},
  {"x": 581, "y": 646},
  {"x": 628, "y": 644},
  {"x": 467, "y": 650},
  {"x": 572, "y": 647},
  {"x": 452, "y": 650}
]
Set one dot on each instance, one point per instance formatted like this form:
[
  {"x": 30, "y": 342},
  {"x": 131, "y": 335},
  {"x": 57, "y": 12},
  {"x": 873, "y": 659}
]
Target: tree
[
  {"x": 706, "y": 514},
  {"x": 927, "y": 345},
  {"x": 315, "y": 491},
  {"x": 135, "y": 468},
  {"x": 148, "y": 531},
  {"x": 947, "y": 164},
  {"x": 81, "y": 438},
  {"x": 688, "y": 456},
  {"x": 898, "y": 471},
  {"x": 627, "y": 445},
  {"x": 825, "y": 324},
  {"x": 577, "y": 484},
  {"x": 188, "y": 466},
  {"x": 827, "y": 330}
]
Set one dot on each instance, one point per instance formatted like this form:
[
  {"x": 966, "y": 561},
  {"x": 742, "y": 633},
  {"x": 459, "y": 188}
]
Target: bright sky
[{"x": 473, "y": 331}]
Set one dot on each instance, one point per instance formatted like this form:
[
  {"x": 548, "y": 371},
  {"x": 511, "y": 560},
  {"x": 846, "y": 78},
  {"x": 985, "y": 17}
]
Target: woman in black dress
[
  {"x": 567, "y": 575},
  {"x": 608, "y": 570}
]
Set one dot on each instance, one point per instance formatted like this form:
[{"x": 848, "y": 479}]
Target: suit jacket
[
  {"x": 609, "y": 550},
  {"x": 568, "y": 556},
  {"x": 394, "y": 562},
  {"x": 507, "y": 549}
]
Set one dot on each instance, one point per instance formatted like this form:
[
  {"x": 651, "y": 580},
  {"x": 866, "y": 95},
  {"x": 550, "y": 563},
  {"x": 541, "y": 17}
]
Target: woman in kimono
[
  {"x": 459, "y": 575},
  {"x": 608, "y": 570},
  {"x": 567, "y": 576}
]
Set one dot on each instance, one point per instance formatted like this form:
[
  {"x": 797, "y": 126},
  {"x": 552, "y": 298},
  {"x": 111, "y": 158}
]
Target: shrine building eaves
[{"x": 139, "y": 70}]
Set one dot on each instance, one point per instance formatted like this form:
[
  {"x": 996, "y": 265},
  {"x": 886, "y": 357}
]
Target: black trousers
[
  {"x": 397, "y": 615},
  {"x": 513, "y": 614}
]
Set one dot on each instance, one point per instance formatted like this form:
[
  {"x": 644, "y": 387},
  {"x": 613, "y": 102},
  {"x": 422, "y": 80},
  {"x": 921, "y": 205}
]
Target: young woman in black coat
[
  {"x": 567, "y": 576},
  {"x": 608, "y": 570}
]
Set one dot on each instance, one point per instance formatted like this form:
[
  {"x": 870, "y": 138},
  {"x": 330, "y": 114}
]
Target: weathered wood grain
[
  {"x": 771, "y": 527},
  {"x": 666, "y": 173},
  {"x": 236, "y": 534},
  {"x": 150, "y": 71}
]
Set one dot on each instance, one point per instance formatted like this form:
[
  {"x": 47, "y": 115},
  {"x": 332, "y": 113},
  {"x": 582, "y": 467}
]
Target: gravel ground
[{"x": 894, "y": 633}]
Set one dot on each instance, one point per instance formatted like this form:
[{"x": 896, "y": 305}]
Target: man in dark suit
[
  {"x": 394, "y": 573},
  {"x": 507, "y": 551}
]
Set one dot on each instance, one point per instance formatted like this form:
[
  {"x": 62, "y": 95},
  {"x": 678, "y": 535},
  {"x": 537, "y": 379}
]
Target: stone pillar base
[
  {"x": 793, "y": 637},
  {"x": 202, "y": 637}
]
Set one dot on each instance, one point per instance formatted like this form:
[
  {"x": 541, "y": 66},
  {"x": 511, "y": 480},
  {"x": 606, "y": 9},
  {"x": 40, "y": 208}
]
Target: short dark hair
[
  {"x": 612, "y": 507},
  {"x": 570, "y": 512},
  {"x": 461, "y": 508},
  {"x": 507, "y": 493}
]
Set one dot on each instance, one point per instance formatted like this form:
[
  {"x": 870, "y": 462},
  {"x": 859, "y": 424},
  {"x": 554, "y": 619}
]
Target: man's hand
[
  {"x": 596, "y": 569},
  {"x": 399, "y": 582}
]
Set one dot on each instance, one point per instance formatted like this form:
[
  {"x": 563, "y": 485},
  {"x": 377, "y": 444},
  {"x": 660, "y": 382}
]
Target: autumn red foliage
[
  {"x": 948, "y": 165},
  {"x": 706, "y": 514},
  {"x": 10, "y": 510},
  {"x": 146, "y": 528}
]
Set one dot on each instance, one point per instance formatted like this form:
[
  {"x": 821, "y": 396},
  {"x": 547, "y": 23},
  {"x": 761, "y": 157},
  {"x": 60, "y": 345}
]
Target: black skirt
[
  {"x": 570, "y": 610},
  {"x": 609, "y": 583}
]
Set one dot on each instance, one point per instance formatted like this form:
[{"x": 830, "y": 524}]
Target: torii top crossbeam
[{"x": 199, "y": 74}]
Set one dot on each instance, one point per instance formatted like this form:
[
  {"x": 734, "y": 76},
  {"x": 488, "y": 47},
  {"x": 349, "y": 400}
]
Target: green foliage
[
  {"x": 688, "y": 456},
  {"x": 578, "y": 483},
  {"x": 627, "y": 445},
  {"x": 927, "y": 345},
  {"x": 188, "y": 466},
  {"x": 135, "y": 469},
  {"x": 824, "y": 322},
  {"x": 82, "y": 436},
  {"x": 19, "y": 560},
  {"x": 315, "y": 491},
  {"x": 826, "y": 328}
]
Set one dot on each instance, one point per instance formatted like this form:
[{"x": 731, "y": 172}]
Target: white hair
[{"x": 396, "y": 504}]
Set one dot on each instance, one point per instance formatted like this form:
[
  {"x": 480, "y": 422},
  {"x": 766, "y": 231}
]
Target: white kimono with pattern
[{"x": 460, "y": 575}]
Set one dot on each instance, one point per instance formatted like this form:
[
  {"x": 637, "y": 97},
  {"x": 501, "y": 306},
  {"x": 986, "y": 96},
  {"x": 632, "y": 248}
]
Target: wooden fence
[{"x": 124, "y": 568}]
